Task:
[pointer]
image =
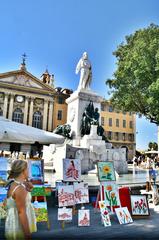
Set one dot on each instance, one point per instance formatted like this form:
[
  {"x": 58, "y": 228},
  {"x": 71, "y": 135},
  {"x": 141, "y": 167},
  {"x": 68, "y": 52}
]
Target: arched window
[
  {"x": 17, "y": 115},
  {"x": 1, "y": 112},
  {"x": 37, "y": 120}
]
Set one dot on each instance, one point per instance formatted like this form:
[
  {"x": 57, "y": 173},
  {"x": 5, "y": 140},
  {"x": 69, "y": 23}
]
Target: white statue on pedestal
[{"x": 84, "y": 66}]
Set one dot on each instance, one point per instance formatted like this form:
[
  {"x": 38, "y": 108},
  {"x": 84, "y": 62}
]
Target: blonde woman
[{"x": 20, "y": 221}]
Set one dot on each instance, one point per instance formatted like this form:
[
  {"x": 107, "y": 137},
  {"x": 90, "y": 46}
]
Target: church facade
[{"x": 26, "y": 99}]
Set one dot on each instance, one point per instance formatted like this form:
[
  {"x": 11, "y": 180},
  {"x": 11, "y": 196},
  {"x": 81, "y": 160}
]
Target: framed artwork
[
  {"x": 83, "y": 218},
  {"x": 3, "y": 176},
  {"x": 40, "y": 211},
  {"x": 3, "y": 163},
  {"x": 36, "y": 170},
  {"x": 106, "y": 171},
  {"x": 3, "y": 195},
  {"x": 139, "y": 205},
  {"x": 66, "y": 196},
  {"x": 65, "y": 214},
  {"x": 3, "y": 169},
  {"x": 48, "y": 189},
  {"x": 71, "y": 170},
  {"x": 81, "y": 193},
  {"x": 110, "y": 194},
  {"x": 104, "y": 213},
  {"x": 38, "y": 190},
  {"x": 123, "y": 215}
]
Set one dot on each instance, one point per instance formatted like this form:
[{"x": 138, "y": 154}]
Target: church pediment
[{"x": 24, "y": 79}]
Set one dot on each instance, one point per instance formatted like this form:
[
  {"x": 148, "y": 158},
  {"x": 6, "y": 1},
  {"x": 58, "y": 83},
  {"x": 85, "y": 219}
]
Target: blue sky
[{"x": 56, "y": 33}]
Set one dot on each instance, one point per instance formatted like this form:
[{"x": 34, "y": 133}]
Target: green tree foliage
[
  {"x": 135, "y": 83},
  {"x": 153, "y": 146}
]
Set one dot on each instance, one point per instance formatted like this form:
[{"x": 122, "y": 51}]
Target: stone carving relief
[{"x": 21, "y": 80}]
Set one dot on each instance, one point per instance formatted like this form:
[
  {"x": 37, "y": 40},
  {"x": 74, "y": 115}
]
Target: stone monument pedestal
[{"x": 77, "y": 103}]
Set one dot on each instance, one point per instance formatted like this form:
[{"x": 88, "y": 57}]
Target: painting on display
[
  {"x": 111, "y": 194},
  {"x": 106, "y": 171},
  {"x": 3, "y": 169},
  {"x": 123, "y": 215},
  {"x": 83, "y": 218},
  {"x": 64, "y": 214},
  {"x": 66, "y": 196},
  {"x": 104, "y": 213},
  {"x": 38, "y": 190},
  {"x": 3, "y": 196},
  {"x": 139, "y": 205},
  {"x": 48, "y": 189},
  {"x": 36, "y": 170},
  {"x": 3, "y": 176},
  {"x": 3, "y": 163},
  {"x": 71, "y": 170},
  {"x": 40, "y": 211},
  {"x": 81, "y": 193}
]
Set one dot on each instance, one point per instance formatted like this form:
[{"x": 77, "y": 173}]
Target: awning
[{"x": 20, "y": 133}]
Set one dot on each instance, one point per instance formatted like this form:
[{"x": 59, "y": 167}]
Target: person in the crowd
[
  {"x": 153, "y": 174},
  {"x": 21, "y": 220}
]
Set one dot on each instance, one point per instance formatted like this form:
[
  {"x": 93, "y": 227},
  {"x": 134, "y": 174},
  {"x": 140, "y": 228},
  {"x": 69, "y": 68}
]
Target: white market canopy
[
  {"x": 152, "y": 152},
  {"x": 20, "y": 133}
]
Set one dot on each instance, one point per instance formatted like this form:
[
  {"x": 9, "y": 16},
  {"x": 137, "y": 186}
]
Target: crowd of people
[{"x": 146, "y": 162}]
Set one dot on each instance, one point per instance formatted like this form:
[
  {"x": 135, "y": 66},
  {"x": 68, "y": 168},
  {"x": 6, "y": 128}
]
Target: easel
[{"x": 41, "y": 182}]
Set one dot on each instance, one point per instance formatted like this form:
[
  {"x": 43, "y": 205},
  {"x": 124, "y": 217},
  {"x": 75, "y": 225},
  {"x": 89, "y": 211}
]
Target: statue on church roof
[
  {"x": 23, "y": 65},
  {"x": 46, "y": 77}
]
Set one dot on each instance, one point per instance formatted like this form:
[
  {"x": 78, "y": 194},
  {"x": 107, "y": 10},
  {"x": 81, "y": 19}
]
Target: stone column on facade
[
  {"x": 26, "y": 110},
  {"x": 5, "y": 106},
  {"x": 11, "y": 102},
  {"x": 50, "y": 116},
  {"x": 45, "y": 115},
  {"x": 31, "y": 111}
]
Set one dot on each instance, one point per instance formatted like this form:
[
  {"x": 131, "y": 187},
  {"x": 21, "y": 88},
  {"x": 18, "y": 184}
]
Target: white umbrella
[
  {"x": 20, "y": 133},
  {"x": 152, "y": 152}
]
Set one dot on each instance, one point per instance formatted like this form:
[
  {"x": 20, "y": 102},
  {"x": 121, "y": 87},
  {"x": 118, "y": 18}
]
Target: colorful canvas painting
[
  {"x": 40, "y": 211},
  {"x": 38, "y": 190},
  {"x": 139, "y": 205},
  {"x": 123, "y": 215},
  {"x": 3, "y": 163},
  {"x": 48, "y": 189},
  {"x": 83, "y": 218},
  {"x": 71, "y": 170},
  {"x": 64, "y": 214},
  {"x": 66, "y": 196},
  {"x": 36, "y": 170},
  {"x": 3, "y": 212},
  {"x": 3, "y": 195},
  {"x": 81, "y": 192},
  {"x": 106, "y": 171},
  {"x": 111, "y": 194},
  {"x": 104, "y": 213},
  {"x": 3, "y": 176},
  {"x": 3, "y": 169}
]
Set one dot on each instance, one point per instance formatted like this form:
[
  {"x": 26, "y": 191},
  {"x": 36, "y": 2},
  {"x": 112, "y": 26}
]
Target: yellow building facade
[
  {"x": 120, "y": 128},
  {"x": 60, "y": 106}
]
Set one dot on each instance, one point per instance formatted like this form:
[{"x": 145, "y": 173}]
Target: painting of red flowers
[{"x": 139, "y": 205}]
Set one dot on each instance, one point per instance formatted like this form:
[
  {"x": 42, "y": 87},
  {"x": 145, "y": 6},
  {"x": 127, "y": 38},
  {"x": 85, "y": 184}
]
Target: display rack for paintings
[
  {"x": 72, "y": 175},
  {"x": 36, "y": 175},
  {"x": 71, "y": 190},
  {"x": 41, "y": 211}
]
